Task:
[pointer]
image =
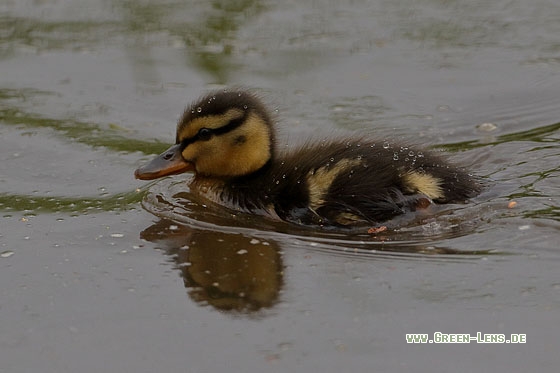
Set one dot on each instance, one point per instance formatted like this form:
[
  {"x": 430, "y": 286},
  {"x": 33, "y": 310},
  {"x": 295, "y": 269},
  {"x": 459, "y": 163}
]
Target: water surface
[{"x": 100, "y": 272}]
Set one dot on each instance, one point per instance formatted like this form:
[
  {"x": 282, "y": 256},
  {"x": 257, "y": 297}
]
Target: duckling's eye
[{"x": 204, "y": 134}]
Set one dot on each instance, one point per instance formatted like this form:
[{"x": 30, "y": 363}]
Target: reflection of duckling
[
  {"x": 227, "y": 139},
  {"x": 218, "y": 270}
]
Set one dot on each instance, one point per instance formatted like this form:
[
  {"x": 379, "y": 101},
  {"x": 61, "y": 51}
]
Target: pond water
[{"x": 100, "y": 272}]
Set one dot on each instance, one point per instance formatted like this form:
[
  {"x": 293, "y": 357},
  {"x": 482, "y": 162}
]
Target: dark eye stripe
[{"x": 232, "y": 124}]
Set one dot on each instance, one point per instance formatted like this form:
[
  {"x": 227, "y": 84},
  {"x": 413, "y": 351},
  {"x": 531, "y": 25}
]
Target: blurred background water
[{"x": 100, "y": 272}]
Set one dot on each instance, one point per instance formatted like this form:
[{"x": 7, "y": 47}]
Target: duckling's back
[{"x": 351, "y": 182}]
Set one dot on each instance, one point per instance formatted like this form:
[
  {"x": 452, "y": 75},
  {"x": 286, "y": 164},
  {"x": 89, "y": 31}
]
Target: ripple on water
[{"x": 413, "y": 234}]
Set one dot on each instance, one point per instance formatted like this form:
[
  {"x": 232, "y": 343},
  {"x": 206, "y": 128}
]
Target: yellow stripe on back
[
  {"x": 423, "y": 183},
  {"x": 320, "y": 181}
]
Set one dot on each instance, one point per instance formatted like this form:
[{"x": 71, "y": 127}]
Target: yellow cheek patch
[
  {"x": 210, "y": 121},
  {"x": 423, "y": 183},
  {"x": 244, "y": 157},
  {"x": 320, "y": 181}
]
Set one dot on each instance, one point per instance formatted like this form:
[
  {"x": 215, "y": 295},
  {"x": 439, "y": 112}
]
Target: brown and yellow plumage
[{"x": 227, "y": 140}]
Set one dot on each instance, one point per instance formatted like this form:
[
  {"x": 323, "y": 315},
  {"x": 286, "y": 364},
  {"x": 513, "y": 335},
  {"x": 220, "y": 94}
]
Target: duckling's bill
[{"x": 170, "y": 162}]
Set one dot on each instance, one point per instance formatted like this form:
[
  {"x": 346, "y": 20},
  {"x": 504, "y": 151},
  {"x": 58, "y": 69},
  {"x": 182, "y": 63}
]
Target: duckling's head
[{"x": 226, "y": 134}]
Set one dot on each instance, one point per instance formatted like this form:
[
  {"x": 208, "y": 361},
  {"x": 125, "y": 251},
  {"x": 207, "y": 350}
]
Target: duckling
[{"x": 227, "y": 139}]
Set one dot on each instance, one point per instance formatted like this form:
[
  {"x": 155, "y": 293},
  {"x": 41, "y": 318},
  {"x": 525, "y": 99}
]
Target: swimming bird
[{"x": 227, "y": 139}]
